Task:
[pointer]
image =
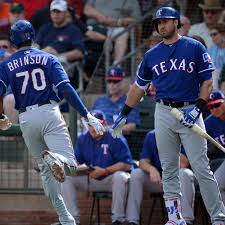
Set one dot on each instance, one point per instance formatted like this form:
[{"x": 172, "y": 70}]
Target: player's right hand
[
  {"x": 118, "y": 125},
  {"x": 5, "y": 124},
  {"x": 95, "y": 123}
]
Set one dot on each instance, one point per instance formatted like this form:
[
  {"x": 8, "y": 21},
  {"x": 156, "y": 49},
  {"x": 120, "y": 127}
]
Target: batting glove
[
  {"x": 118, "y": 125},
  {"x": 190, "y": 116},
  {"x": 95, "y": 123},
  {"x": 5, "y": 124}
]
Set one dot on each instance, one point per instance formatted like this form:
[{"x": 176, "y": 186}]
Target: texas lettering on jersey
[{"x": 173, "y": 65}]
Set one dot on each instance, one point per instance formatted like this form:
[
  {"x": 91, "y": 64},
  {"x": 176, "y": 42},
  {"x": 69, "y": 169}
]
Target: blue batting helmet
[
  {"x": 21, "y": 31},
  {"x": 166, "y": 13}
]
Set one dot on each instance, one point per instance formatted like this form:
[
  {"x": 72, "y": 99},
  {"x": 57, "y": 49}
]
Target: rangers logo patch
[{"x": 206, "y": 57}]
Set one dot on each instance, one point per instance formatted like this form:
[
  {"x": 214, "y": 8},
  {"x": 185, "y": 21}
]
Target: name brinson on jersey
[
  {"x": 173, "y": 64},
  {"x": 27, "y": 60}
]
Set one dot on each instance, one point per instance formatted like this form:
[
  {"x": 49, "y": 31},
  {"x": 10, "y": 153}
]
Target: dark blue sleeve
[
  {"x": 149, "y": 147},
  {"x": 77, "y": 38},
  {"x": 204, "y": 63},
  {"x": 78, "y": 150}
]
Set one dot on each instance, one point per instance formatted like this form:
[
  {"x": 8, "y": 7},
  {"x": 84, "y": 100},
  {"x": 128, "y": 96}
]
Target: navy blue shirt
[
  {"x": 62, "y": 39},
  {"x": 111, "y": 109},
  {"x": 104, "y": 152}
]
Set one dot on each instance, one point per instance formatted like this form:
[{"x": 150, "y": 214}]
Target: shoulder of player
[
  {"x": 210, "y": 119},
  {"x": 154, "y": 49}
]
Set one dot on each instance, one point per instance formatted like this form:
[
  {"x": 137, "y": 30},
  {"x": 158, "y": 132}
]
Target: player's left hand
[
  {"x": 118, "y": 125},
  {"x": 190, "y": 116},
  {"x": 5, "y": 124},
  {"x": 95, "y": 123}
]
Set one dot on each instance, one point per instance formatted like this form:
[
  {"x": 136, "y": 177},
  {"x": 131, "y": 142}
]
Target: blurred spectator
[
  {"x": 32, "y": 6},
  {"x": 6, "y": 50},
  {"x": 112, "y": 103},
  {"x": 153, "y": 40},
  {"x": 114, "y": 15},
  {"x": 222, "y": 17},
  {"x": 16, "y": 13},
  {"x": 185, "y": 25},
  {"x": 222, "y": 80},
  {"x": 190, "y": 9},
  {"x": 42, "y": 16},
  {"x": 217, "y": 51},
  {"x": 148, "y": 177},
  {"x": 4, "y": 13},
  {"x": 112, "y": 161},
  {"x": 211, "y": 12},
  {"x": 60, "y": 38},
  {"x": 78, "y": 6}
]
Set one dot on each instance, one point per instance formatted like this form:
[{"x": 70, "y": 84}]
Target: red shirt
[{"x": 31, "y": 6}]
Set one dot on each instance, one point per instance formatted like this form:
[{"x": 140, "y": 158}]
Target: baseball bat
[{"x": 198, "y": 130}]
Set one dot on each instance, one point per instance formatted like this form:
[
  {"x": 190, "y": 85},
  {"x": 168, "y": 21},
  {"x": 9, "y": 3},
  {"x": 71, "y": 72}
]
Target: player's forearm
[
  {"x": 120, "y": 166},
  {"x": 72, "y": 55},
  {"x": 145, "y": 165},
  {"x": 134, "y": 95}
]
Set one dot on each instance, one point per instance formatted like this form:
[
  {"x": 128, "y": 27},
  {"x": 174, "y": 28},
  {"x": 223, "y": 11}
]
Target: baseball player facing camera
[
  {"x": 181, "y": 70},
  {"x": 32, "y": 75}
]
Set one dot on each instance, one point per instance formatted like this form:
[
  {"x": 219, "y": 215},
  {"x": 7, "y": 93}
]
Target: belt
[
  {"x": 21, "y": 110},
  {"x": 176, "y": 104}
]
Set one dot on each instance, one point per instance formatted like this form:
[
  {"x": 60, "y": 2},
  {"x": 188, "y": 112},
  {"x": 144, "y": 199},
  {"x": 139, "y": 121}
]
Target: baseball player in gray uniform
[
  {"x": 33, "y": 76},
  {"x": 181, "y": 70}
]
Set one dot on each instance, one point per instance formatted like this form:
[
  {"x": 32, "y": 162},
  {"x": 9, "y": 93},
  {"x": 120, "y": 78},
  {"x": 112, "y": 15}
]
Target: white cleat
[{"x": 56, "y": 166}]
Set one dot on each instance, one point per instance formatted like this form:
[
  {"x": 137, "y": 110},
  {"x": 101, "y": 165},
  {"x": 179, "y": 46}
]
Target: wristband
[
  {"x": 201, "y": 104},
  {"x": 126, "y": 110},
  {"x": 2, "y": 116}
]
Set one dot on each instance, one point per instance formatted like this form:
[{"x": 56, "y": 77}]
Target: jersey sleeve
[
  {"x": 4, "y": 82},
  {"x": 78, "y": 150},
  {"x": 58, "y": 74},
  {"x": 204, "y": 63},
  {"x": 143, "y": 75},
  {"x": 148, "y": 147}
]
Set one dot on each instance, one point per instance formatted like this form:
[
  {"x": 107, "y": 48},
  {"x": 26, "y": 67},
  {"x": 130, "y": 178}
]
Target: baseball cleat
[{"x": 56, "y": 166}]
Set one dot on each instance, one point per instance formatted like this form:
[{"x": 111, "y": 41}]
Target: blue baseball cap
[
  {"x": 115, "y": 73},
  {"x": 99, "y": 115},
  {"x": 215, "y": 97}
]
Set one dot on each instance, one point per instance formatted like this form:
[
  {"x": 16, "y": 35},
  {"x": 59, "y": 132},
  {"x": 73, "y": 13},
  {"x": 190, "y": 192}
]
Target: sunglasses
[
  {"x": 4, "y": 46},
  {"x": 214, "y": 106},
  {"x": 213, "y": 12},
  {"x": 213, "y": 34},
  {"x": 113, "y": 81}
]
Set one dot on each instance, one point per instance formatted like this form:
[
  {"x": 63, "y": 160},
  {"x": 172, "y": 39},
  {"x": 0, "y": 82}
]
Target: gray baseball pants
[
  {"x": 170, "y": 133},
  {"x": 117, "y": 183},
  {"x": 44, "y": 128}
]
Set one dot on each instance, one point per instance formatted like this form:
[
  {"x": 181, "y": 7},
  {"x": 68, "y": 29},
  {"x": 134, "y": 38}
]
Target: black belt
[
  {"x": 21, "y": 110},
  {"x": 176, "y": 104}
]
